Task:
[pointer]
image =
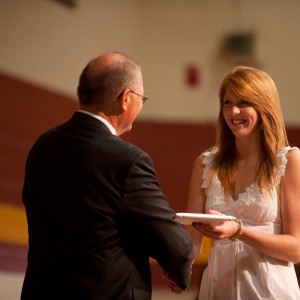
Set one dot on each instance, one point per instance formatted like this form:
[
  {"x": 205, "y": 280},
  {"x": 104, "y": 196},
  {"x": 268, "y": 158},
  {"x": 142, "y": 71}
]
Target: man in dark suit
[{"x": 94, "y": 208}]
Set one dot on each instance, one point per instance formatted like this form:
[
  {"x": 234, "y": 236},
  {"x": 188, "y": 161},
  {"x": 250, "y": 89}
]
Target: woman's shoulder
[
  {"x": 287, "y": 156},
  {"x": 292, "y": 155},
  {"x": 201, "y": 162},
  {"x": 207, "y": 156},
  {"x": 286, "y": 150},
  {"x": 202, "y": 166},
  {"x": 288, "y": 153}
]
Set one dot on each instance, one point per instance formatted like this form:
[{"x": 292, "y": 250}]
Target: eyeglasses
[{"x": 144, "y": 97}]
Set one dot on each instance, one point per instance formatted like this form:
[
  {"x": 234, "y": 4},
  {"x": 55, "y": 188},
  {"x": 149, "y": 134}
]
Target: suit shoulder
[{"x": 126, "y": 148}]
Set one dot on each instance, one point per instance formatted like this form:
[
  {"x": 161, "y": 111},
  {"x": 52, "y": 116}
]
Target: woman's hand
[{"x": 217, "y": 230}]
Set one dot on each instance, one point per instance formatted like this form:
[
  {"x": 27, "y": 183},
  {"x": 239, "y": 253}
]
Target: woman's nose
[{"x": 235, "y": 110}]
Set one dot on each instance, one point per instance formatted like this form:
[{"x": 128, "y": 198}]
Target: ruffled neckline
[{"x": 251, "y": 191}]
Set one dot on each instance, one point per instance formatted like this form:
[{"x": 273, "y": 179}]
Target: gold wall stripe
[
  {"x": 13, "y": 225},
  {"x": 13, "y": 229}
]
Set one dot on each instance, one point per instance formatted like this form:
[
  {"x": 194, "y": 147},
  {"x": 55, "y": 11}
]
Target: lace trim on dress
[
  {"x": 207, "y": 159},
  {"x": 281, "y": 155}
]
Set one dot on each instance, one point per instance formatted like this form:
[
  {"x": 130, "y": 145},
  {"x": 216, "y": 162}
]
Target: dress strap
[
  {"x": 207, "y": 159},
  {"x": 281, "y": 156}
]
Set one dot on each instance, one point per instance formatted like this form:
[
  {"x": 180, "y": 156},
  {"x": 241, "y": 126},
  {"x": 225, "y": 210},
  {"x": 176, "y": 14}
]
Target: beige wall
[{"x": 47, "y": 43}]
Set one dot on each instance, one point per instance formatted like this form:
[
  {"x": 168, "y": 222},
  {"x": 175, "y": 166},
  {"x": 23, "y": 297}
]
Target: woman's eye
[
  {"x": 245, "y": 103},
  {"x": 226, "y": 102}
]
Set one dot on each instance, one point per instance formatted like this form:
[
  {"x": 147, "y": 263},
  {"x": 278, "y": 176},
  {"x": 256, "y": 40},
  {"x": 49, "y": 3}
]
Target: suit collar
[
  {"x": 89, "y": 120},
  {"x": 103, "y": 120}
]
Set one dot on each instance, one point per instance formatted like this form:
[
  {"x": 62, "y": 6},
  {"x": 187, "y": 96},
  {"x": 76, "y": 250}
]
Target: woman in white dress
[{"x": 253, "y": 174}]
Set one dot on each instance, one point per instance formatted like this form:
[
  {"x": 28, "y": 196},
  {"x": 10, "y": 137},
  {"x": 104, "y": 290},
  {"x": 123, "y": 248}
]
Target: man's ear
[{"x": 123, "y": 100}]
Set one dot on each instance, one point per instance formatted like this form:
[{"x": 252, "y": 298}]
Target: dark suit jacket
[{"x": 95, "y": 215}]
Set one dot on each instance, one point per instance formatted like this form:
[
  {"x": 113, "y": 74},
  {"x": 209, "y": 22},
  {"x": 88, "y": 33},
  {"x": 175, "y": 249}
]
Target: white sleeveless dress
[{"x": 235, "y": 270}]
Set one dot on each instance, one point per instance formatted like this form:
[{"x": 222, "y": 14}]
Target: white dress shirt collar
[{"x": 110, "y": 127}]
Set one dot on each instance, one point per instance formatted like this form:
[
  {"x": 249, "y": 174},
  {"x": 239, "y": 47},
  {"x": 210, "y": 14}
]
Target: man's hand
[{"x": 172, "y": 285}]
